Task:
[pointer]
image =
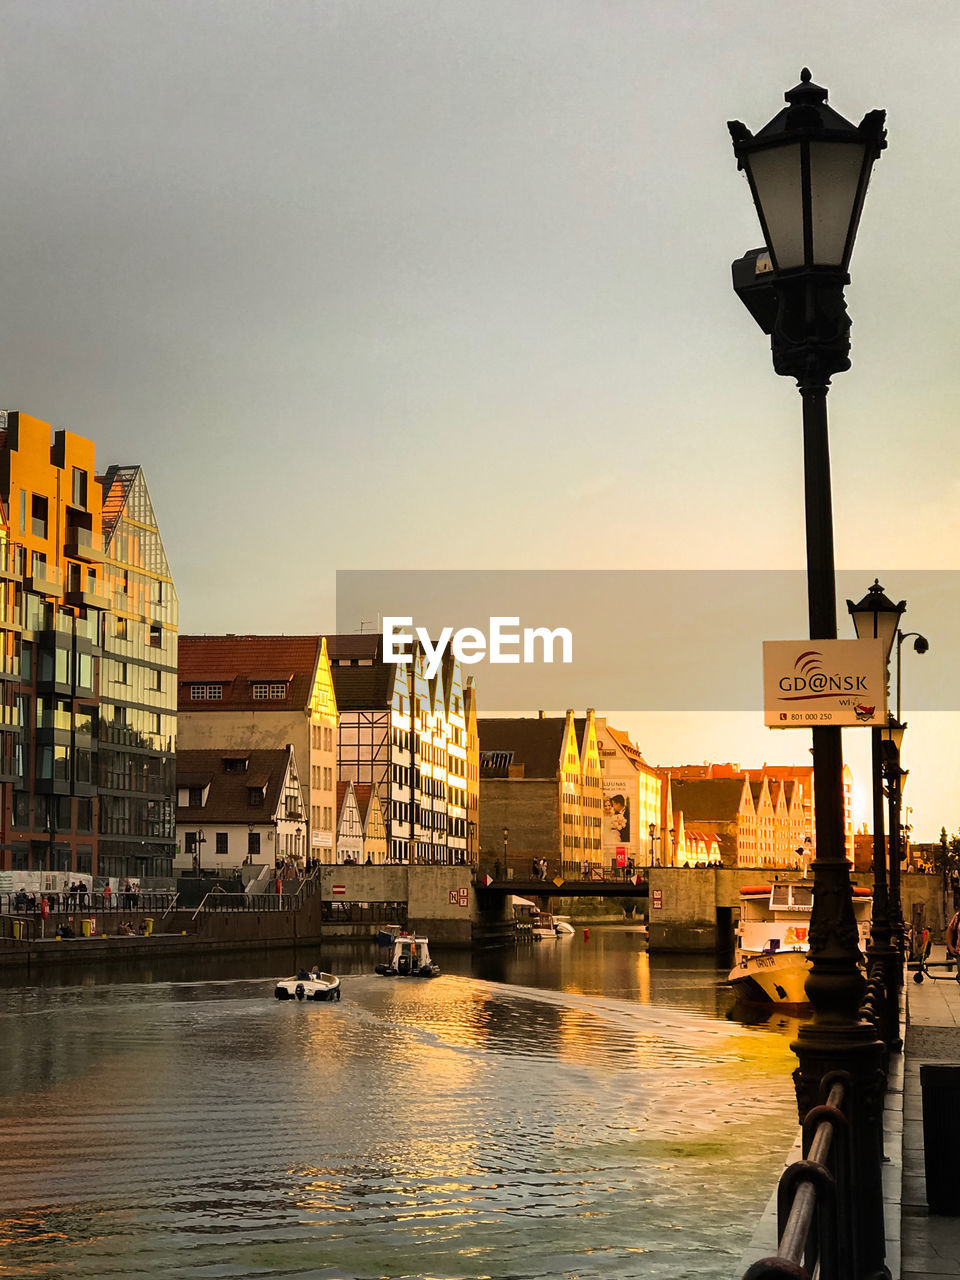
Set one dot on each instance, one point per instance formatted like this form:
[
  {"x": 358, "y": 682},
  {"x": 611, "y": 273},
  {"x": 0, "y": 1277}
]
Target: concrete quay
[{"x": 929, "y": 1243}]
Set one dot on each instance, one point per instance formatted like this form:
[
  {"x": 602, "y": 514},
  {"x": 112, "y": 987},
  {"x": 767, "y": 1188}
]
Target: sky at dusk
[{"x": 379, "y": 285}]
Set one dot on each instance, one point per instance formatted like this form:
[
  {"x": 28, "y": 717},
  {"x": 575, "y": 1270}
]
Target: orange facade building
[{"x": 64, "y": 598}]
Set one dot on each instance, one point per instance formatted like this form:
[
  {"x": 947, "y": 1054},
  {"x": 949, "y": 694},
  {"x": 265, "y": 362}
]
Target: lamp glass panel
[
  {"x": 776, "y": 179},
  {"x": 835, "y": 169}
]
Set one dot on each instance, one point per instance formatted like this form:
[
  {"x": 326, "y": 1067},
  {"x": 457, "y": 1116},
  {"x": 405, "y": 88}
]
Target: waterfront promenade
[
  {"x": 920, "y": 1245},
  {"x": 929, "y": 1244}
]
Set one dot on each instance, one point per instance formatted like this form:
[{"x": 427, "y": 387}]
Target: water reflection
[{"x": 574, "y": 1108}]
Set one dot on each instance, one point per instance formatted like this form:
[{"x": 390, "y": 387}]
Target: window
[
  {"x": 38, "y": 514},
  {"x": 206, "y": 692},
  {"x": 155, "y": 636},
  {"x": 123, "y": 676},
  {"x": 23, "y": 511},
  {"x": 253, "y": 844},
  {"x": 221, "y": 842},
  {"x": 79, "y": 487},
  {"x": 158, "y": 680},
  {"x": 84, "y": 814},
  {"x": 234, "y": 764},
  {"x": 262, "y": 690},
  {"x": 255, "y": 797},
  {"x": 121, "y": 629},
  {"x": 195, "y": 799}
]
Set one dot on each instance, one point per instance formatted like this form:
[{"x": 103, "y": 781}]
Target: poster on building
[{"x": 616, "y": 814}]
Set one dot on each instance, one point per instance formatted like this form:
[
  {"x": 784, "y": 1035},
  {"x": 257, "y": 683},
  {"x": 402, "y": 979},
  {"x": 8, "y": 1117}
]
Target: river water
[{"x": 571, "y": 1108}]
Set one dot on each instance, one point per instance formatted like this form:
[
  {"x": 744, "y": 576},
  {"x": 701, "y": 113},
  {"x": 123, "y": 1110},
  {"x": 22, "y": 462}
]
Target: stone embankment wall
[{"x": 694, "y": 908}]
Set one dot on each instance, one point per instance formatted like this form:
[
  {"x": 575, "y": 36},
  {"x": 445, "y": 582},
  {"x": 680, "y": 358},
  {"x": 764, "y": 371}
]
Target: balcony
[
  {"x": 11, "y": 561},
  {"x": 83, "y": 544},
  {"x": 95, "y": 597},
  {"x": 45, "y": 580}
]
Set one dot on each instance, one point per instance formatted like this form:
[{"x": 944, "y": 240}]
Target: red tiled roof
[
  {"x": 236, "y": 662},
  {"x": 364, "y": 793},
  {"x": 229, "y": 797}
]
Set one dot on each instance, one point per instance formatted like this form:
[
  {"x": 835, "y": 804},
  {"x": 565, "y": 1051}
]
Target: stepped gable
[
  {"x": 236, "y": 662},
  {"x": 535, "y": 744},
  {"x": 229, "y": 797}
]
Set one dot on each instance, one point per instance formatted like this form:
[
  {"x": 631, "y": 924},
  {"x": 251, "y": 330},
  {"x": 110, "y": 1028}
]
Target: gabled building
[
  {"x": 541, "y": 793},
  {"x": 375, "y": 843},
  {"x": 764, "y": 817},
  {"x": 239, "y": 808},
  {"x": 253, "y": 693},
  {"x": 349, "y": 825},
  {"x": 407, "y": 735},
  {"x": 632, "y": 798}
]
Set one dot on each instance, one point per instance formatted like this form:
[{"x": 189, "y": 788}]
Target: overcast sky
[{"x": 441, "y": 285}]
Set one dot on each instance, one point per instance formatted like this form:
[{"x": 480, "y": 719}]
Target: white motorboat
[
  {"x": 773, "y": 937},
  {"x": 410, "y": 958},
  {"x": 309, "y": 984},
  {"x": 545, "y": 925}
]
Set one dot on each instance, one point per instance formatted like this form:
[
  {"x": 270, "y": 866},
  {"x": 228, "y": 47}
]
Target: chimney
[{"x": 540, "y": 715}]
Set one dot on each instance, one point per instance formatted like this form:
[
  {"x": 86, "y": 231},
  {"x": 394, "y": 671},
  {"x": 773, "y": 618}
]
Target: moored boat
[
  {"x": 309, "y": 984},
  {"x": 410, "y": 958},
  {"x": 773, "y": 937},
  {"x": 545, "y": 925}
]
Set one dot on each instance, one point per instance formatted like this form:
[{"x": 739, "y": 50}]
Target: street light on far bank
[{"x": 201, "y": 840}]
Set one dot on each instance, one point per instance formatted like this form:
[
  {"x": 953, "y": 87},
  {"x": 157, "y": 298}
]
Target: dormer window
[
  {"x": 206, "y": 692},
  {"x": 268, "y": 690},
  {"x": 255, "y": 797},
  {"x": 235, "y": 764}
]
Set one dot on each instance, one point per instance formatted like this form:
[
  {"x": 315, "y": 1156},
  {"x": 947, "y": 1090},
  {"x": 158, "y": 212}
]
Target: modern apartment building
[
  {"x": 63, "y": 587},
  {"x": 138, "y": 686},
  {"x": 407, "y": 735},
  {"x": 256, "y": 692}
]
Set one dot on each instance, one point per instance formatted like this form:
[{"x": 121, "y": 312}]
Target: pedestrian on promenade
[{"x": 107, "y": 894}]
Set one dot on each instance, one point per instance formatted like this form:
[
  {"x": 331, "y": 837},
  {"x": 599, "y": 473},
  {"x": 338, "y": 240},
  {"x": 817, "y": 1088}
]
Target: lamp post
[
  {"x": 808, "y": 171},
  {"x": 892, "y": 740},
  {"x": 876, "y": 617},
  {"x": 201, "y": 840},
  {"x": 506, "y": 834}
]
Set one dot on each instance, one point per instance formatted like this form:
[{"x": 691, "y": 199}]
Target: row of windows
[{"x": 321, "y": 737}]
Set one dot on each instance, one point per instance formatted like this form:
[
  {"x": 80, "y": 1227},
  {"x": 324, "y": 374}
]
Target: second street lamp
[
  {"x": 876, "y": 617},
  {"x": 808, "y": 171}
]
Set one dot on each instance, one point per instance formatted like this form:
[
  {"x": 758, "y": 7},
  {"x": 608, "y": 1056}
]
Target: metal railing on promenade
[
  {"x": 152, "y": 902},
  {"x": 810, "y": 1222},
  {"x": 820, "y": 1196}
]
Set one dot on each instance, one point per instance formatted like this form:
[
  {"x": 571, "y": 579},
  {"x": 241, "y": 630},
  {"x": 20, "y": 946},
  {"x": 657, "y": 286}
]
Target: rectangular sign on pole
[{"x": 810, "y": 683}]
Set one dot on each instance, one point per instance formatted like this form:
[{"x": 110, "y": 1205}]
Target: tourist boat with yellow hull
[{"x": 773, "y": 937}]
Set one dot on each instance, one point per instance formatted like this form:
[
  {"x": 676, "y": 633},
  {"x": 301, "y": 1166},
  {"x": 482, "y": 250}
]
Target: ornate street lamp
[
  {"x": 808, "y": 171},
  {"x": 896, "y": 780},
  {"x": 876, "y": 617}
]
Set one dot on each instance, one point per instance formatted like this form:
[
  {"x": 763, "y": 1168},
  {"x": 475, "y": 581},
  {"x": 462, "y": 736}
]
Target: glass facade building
[{"x": 138, "y": 687}]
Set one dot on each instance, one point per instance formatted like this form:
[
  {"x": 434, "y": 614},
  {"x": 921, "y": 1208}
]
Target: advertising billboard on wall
[{"x": 616, "y": 814}]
